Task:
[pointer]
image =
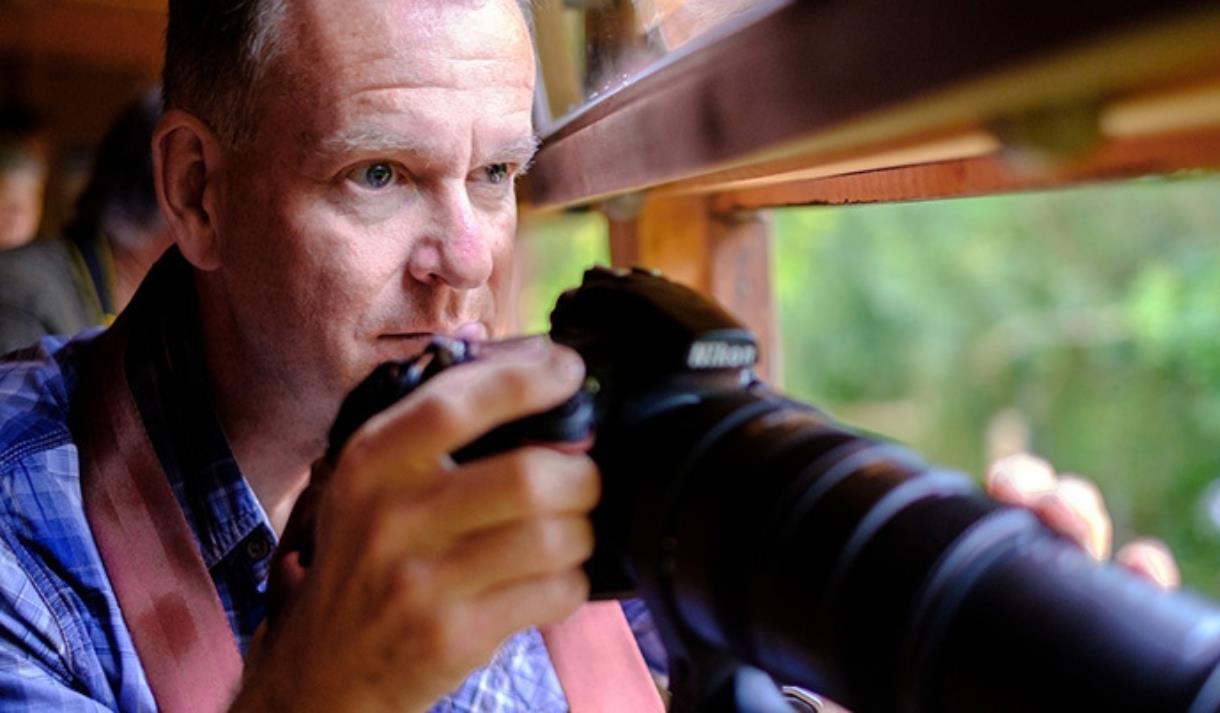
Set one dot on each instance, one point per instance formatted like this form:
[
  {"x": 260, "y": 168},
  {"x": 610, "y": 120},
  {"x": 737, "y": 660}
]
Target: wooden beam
[
  {"x": 813, "y": 79},
  {"x": 1069, "y": 134},
  {"x": 739, "y": 277},
  {"x": 119, "y": 35},
  {"x": 992, "y": 173},
  {"x": 624, "y": 243},
  {"x": 724, "y": 255},
  {"x": 671, "y": 235}
]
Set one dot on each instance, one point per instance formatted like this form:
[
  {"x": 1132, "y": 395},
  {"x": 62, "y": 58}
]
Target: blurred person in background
[
  {"x": 86, "y": 275},
  {"x": 23, "y": 175}
]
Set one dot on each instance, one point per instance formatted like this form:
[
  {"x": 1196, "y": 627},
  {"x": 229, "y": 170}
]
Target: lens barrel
[{"x": 847, "y": 566}]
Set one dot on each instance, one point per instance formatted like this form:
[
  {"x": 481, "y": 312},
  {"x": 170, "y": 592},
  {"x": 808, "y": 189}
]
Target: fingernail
[{"x": 568, "y": 364}]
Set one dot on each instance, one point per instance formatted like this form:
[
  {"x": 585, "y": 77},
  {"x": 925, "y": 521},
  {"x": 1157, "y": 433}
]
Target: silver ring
[{"x": 802, "y": 700}]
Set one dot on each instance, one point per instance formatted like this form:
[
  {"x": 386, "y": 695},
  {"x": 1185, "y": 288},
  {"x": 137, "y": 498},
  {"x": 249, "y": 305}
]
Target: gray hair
[{"x": 217, "y": 52}]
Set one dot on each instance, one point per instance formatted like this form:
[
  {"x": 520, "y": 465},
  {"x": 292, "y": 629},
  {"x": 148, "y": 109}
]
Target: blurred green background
[{"x": 1083, "y": 324}]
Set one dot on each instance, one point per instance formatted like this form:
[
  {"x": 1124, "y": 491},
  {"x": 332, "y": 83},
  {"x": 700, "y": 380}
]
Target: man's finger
[
  {"x": 501, "y": 490},
  {"x": 1076, "y": 511},
  {"x": 532, "y": 602},
  {"x": 1084, "y": 499},
  {"x": 1069, "y": 504},
  {"x": 528, "y": 481},
  {"x": 535, "y": 548},
  {"x": 1059, "y": 516},
  {"x": 1020, "y": 479},
  {"x": 407, "y": 443},
  {"x": 1152, "y": 560}
]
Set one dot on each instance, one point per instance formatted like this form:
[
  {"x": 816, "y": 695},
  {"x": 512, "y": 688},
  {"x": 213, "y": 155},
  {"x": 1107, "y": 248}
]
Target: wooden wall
[{"x": 76, "y": 62}]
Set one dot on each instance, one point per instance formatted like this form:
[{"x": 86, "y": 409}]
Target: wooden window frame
[{"x": 856, "y": 102}]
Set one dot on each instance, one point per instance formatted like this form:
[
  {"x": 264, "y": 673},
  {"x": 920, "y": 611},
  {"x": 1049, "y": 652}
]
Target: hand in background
[{"x": 1073, "y": 506}]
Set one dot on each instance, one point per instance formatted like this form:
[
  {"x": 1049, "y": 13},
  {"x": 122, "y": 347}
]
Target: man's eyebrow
[
  {"x": 370, "y": 137},
  {"x": 373, "y": 138},
  {"x": 519, "y": 152}
]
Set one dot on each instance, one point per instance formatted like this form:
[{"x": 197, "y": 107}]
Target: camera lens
[{"x": 847, "y": 566}]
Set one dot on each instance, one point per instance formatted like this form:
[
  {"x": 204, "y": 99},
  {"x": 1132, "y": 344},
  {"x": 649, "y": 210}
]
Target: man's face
[
  {"x": 376, "y": 206},
  {"x": 21, "y": 191}
]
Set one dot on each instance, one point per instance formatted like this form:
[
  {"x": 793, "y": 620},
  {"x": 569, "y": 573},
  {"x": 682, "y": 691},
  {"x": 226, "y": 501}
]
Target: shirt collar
[{"x": 165, "y": 368}]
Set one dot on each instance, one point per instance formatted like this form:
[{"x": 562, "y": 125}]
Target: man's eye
[
  {"x": 374, "y": 175},
  {"x": 497, "y": 172}
]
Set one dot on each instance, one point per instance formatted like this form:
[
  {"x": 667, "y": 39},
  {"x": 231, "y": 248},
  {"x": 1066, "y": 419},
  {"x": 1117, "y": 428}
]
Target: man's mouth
[{"x": 472, "y": 331}]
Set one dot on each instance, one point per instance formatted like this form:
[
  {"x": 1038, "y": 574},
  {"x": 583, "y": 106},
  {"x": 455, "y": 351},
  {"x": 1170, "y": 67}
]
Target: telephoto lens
[{"x": 756, "y": 528}]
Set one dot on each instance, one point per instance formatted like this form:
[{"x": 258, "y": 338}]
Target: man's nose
[{"x": 457, "y": 249}]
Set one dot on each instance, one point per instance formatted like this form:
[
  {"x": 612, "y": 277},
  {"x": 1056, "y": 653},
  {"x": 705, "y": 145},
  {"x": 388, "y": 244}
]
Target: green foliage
[
  {"x": 552, "y": 254},
  {"x": 1093, "y": 313}
]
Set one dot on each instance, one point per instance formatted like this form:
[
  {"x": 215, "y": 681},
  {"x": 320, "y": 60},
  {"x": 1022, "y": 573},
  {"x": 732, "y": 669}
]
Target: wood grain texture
[
  {"x": 724, "y": 255},
  {"x": 994, "y": 173},
  {"x": 816, "y": 78},
  {"x": 120, "y": 35}
]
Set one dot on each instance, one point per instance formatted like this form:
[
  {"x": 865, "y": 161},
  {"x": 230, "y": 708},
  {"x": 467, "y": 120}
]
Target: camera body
[
  {"x": 649, "y": 346},
  {"x": 765, "y": 538}
]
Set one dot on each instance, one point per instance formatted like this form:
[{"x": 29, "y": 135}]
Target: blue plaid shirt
[{"x": 63, "y": 642}]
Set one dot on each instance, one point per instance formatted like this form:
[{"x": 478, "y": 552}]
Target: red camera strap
[
  {"x": 169, "y": 602},
  {"x": 165, "y": 594},
  {"x": 599, "y": 662}
]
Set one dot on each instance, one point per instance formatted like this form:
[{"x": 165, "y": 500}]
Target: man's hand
[
  {"x": 424, "y": 567},
  {"x": 1074, "y": 507}
]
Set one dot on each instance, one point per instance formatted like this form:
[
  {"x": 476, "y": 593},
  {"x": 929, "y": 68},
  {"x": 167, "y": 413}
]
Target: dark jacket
[{"x": 46, "y": 288}]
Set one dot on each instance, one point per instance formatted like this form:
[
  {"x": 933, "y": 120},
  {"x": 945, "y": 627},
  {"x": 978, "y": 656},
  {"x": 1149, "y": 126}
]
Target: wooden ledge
[{"x": 813, "y": 82}]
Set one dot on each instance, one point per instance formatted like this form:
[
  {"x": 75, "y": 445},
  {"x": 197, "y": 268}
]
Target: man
[
  {"x": 339, "y": 183},
  {"x": 338, "y": 180},
  {"x": 23, "y": 176},
  {"x": 85, "y": 276}
]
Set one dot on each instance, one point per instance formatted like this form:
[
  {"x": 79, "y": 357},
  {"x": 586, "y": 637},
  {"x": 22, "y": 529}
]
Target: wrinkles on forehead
[
  {"x": 367, "y": 44},
  {"x": 379, "y": 58},
  {"x": 376, "y": 138}
]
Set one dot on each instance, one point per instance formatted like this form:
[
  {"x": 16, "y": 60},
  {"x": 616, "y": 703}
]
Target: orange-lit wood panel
[
  {"x": 724, "y": 255},
  {"x": 994, "y": 173},
  {"x": 672, "y": 235},
  {"x": 739, "y": 277},
  {"x": 119, "y": 35}
]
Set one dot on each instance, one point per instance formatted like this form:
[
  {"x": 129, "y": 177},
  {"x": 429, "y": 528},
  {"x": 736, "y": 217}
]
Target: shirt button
[{"x": 257, "y": 546}]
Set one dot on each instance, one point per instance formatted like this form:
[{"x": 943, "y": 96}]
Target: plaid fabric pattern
[{"x": 63, "y": 642}]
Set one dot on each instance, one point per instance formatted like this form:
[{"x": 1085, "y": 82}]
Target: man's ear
[{"x": 186, "y": 164}]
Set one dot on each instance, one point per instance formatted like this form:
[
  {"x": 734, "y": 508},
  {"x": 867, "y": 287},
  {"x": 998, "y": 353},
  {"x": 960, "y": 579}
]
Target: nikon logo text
[{"x": 721, "y": 355}]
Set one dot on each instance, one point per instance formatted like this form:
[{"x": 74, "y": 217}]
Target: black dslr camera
[{"x": 763, "y": 537}]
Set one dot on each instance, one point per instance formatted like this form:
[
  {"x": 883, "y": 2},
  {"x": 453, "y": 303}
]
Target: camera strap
[
  {"x": 165, "y": 593},
  {"x": 599, "y": 663}
]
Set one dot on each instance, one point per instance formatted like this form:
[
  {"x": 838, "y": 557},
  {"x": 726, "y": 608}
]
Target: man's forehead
[
  {"x": 338, "y": 52},
  {"x": 456, "y": 38},
  {"x": 411, "y": 67},
  {"x": 423, "y": 121}
]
